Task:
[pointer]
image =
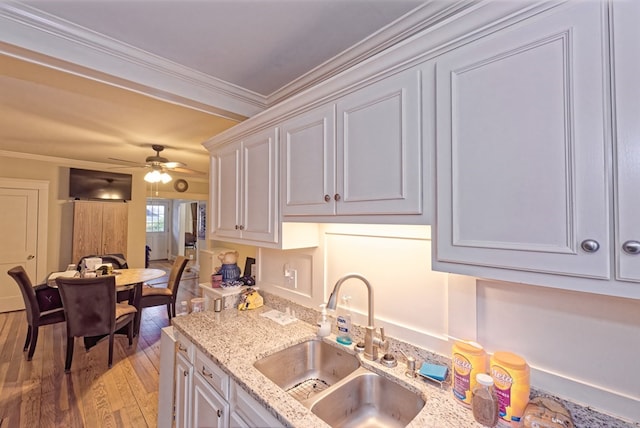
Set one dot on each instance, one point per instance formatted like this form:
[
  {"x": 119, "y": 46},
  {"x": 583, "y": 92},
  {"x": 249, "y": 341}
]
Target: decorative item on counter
[
  {"x": 510, "y": 374},
  {"x": 249, "y": 276},
  {"x": 216, "y": 280},
  {"x": 324, "y": 326},
  {"x": 250, "y": 299},
  {"x": 229, "y": 270},
  {"x": 468, "y": 359},
  {"x": 543, "y": 412},
  {"x": 484, "y": 401}
]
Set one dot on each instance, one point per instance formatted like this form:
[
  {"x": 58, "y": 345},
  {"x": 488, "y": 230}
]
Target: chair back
[
  {"x": 179, "y": 264},
  {"x": 28, "y": 293},
  {"x": 89, "y": 304},
  {"x": 117, "y": 260}
]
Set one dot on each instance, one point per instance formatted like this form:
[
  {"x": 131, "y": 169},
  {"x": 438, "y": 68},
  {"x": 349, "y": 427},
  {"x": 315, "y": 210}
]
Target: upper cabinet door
[
  {"x": 308, "y": 163},
  {"x": 226, "y": 190},
  {"x": 259, "y": 186},
  {"x": 626, "y": 80},
  {"x": 521, "y": 147},
  {"x": 379, "y": 149}
]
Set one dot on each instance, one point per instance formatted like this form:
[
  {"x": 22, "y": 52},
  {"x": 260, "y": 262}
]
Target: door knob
[
  {"x": 631, "y": 247},
  {"x": 590, "y": 245}
]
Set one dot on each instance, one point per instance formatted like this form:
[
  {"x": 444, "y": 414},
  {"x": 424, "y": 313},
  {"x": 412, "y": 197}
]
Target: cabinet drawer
[
  {"x": 184, "y": 347},
  {"x": 250, "y": 410},
  {"x": 212, "y": 374}
]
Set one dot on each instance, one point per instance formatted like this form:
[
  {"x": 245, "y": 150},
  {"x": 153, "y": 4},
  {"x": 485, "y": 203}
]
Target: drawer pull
[
  {"x": 181, "y": 348},
  {"x": 206, "y": 373}
]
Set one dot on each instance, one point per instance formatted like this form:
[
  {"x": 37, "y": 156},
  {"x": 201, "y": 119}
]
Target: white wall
[{"x": 580, "y": 346}]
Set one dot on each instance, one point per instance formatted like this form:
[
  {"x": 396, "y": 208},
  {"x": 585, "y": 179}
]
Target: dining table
[{"x": 129, "y": 283}]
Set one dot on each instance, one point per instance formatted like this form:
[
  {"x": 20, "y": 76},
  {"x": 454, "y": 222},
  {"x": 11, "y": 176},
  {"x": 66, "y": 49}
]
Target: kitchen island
[{"x": 235, "y": 340}]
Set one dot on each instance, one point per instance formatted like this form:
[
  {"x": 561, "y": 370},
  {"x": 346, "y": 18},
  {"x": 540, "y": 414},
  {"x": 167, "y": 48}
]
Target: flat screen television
[{"x": 88, "y": 184}]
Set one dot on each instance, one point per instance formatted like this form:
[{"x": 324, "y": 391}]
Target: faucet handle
[{"x": 382, "y": 338}]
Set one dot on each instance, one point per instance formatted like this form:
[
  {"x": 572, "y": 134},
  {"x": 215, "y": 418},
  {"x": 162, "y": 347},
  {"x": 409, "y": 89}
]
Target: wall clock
[{"x": 181, "y": 185}]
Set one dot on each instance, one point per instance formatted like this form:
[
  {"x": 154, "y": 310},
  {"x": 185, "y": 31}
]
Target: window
[{"x": 156, "y": 218}]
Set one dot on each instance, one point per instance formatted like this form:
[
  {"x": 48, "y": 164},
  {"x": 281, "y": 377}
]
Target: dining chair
[
  {"x": 43, "y": 306},
  {"x": 91, "y": 310},
  {"x": 155, "y": 296}
]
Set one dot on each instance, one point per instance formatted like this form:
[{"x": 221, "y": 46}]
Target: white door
[
  {"x": 23, "y": 212},
  {"x": 158, "y": 228}
]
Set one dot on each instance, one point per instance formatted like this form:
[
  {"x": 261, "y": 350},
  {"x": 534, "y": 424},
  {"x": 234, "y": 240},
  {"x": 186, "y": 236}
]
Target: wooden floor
[{"x": 38, "y": 393}]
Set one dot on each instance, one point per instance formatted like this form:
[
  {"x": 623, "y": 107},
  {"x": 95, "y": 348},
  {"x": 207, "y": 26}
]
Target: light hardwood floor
[{"x": 38, "y": 393}]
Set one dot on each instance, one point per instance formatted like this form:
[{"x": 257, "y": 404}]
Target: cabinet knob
[
  {"x": 336, "y": 196},
  {"x": 206, "y": 373},
  {"x": 185, "y": 373},
  {"x": 219, "y": 412},
  {"x": 590, "y": 245},
  {"x": 327, "y": 198},
  {"x": 631, "y": 247},
  {"x": 31, "y": 257},
  {"x": 241, "y": 227}
]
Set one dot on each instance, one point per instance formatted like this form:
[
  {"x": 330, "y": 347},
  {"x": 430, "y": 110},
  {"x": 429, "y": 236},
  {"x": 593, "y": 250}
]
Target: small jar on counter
[{"x": 484, "y": 402}]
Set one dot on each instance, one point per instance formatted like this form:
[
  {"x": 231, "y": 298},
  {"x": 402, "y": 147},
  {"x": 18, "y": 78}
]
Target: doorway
[{"x": 158, "y": 228}]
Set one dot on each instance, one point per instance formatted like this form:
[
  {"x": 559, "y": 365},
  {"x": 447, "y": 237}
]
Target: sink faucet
[{"x": 371, "y": 342}]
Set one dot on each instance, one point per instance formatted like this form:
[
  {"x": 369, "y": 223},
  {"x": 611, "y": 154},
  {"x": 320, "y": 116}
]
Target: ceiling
[{"x": 99, "y": 79}]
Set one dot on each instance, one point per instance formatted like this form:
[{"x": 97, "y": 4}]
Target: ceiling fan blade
[
  {"x": 182, "y": 170},
  {"x": 174, "y": 165},
  {"x": 128, "y": 161}
]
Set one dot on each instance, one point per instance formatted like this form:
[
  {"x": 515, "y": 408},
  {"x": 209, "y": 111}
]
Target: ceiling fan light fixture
[{"x": 156, "y": 176}]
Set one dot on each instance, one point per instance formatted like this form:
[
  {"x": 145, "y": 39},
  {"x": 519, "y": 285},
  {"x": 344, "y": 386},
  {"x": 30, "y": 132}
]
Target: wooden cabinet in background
[{"x": 99, "y": 228}]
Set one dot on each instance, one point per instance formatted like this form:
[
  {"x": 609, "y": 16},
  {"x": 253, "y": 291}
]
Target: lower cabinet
[{"x": 207, "y": 397}]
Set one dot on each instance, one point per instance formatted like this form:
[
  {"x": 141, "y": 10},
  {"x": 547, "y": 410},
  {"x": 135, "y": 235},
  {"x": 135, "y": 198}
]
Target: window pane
[{"x": 155, "y": 218}]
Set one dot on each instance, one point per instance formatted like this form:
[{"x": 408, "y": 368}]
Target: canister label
[{"x": 461, "y": 377}]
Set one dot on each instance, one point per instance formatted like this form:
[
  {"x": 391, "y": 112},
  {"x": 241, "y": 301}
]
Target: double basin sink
[{"x": 331, "y": 383}]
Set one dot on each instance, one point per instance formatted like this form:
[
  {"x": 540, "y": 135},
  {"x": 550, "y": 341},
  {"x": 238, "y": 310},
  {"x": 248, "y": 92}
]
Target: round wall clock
[{"x": 181, "y": 185}]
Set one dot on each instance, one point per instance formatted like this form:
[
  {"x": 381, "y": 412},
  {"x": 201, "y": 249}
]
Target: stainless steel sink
[
  {"x": 307, "y": 369},
  {"x": 367, "y": 399},
  {"x": 331, "y": 383}
]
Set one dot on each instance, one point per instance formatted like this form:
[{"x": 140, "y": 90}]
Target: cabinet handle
[
  {"x": 219, "y": 412},
  {"x": 31, "y": 257},
  {"x": 237, "y": 227},
  {"x": 206, "y": 373},
  {"x": 590, "y": 245},
  {"x": 631, "y": 247},
  {"x": 181, "y": 348},
  {"x": 327, "y": 198},
  {"x": 336, "y": 196},
  {"x": 241, "y": 227},
  {"x": 185, "y": 373}
]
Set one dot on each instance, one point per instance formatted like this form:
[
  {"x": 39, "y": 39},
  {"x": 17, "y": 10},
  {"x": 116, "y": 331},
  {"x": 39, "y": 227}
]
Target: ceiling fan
[{"x": 160, "y": 163}]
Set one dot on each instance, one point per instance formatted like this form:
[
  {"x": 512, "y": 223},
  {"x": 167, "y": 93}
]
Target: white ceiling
[{"x": 96, "y": 79}]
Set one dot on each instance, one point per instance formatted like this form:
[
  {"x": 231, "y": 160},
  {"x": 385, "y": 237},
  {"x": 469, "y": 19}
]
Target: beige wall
[{"x": 60, "y": 215}]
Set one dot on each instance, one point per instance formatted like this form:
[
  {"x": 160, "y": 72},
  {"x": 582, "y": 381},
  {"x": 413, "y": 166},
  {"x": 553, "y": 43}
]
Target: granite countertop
[{"x": 235, "y": 340}]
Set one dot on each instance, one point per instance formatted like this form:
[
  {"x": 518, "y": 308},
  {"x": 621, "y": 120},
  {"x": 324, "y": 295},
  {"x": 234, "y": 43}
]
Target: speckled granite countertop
[{"x": 235, "y": 340}]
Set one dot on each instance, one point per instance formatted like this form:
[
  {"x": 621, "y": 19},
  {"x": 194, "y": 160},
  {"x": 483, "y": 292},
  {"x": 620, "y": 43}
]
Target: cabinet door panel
[
  {"x": 115, "y": 224},
  {"x": 209, "y": 408},
  {"x": 87, "y": 229},
  {"x": 379, "y": 149},
  {"x": 259, "y": 187},
  {"x": 521, "y": 166},
  {"x": 184, "y": 376},
  {"x": 308, "y": 162},
  {"x": 227, "y": 197},
  {"x": 627, "y": 109}
]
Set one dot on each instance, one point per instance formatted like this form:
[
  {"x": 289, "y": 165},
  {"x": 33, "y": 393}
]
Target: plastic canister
[
  {"x": 468, "y": 359},
  {"x": 510, "y": 374}
]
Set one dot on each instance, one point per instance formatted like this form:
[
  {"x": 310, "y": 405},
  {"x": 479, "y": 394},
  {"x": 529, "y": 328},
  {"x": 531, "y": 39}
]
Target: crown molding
[{"x": 33, "y": 35}]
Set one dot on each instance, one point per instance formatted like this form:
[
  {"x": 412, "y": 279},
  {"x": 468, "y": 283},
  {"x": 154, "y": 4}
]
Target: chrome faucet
[{"x": 371, "y": 342}]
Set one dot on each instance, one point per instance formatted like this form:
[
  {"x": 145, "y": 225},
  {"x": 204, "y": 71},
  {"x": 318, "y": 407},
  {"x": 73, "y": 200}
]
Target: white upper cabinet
[
  {"x": 361, "y": 155},
  {"x": 626, "y": 81},
  {"x": 244, "y": 188},
  {"x": 521, "y": 147},
  {"x": 307, "y": 148}
]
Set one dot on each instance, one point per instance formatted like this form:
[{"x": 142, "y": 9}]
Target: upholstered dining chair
[
  {"x": 42, "y": 304},
  {"x": 155, "y": 296},
  {"x": 91, "y": 310}
]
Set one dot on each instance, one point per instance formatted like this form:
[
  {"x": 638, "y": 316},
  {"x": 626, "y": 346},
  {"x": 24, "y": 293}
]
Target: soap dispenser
[
  {"x": 324, "y": 326},
  {"x": 344, "y": 322}
]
